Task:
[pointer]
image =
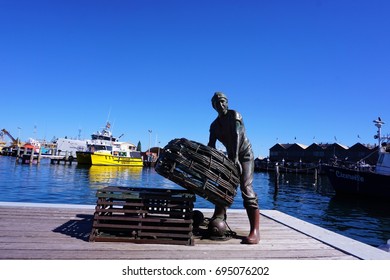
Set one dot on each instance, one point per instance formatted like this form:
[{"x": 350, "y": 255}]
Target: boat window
[
  {"x": 103, "y": 147},
  {"x": 135, "y": 154},
  {"x": 380, "y": 160}
]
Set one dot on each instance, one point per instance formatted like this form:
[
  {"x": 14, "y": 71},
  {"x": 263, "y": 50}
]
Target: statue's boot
[
  {"x": 254, "y": 221},
  {"x": 217, "y": 225},
  {"x": 219, "y": 212}
]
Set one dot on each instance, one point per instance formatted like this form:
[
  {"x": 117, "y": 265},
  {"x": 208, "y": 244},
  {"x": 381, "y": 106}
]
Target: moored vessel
[
  {"x": 362, "y": 179},
  {"x": 105, "y": 149}
]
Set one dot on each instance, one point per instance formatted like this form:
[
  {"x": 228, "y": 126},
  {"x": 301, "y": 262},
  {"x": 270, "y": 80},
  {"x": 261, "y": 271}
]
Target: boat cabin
[{"x": 383, "y": 164}]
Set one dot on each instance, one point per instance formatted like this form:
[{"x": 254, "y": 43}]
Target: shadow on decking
[
  {"x": 80, "y": 228},
  {"x": 202, "y": 233}
]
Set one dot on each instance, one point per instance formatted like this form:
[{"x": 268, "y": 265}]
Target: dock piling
[{"x": 276, "y": 180}]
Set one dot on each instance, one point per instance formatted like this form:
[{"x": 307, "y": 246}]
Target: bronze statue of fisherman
[{"x": 229, "y": 129}]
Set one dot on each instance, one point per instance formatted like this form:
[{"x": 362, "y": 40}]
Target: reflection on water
[
  {"x": 301, "y": 196},
  {"x": 297, "y": 195},
  {"x": 365, "y": 219},
  {"x": 101, "y": 176}
]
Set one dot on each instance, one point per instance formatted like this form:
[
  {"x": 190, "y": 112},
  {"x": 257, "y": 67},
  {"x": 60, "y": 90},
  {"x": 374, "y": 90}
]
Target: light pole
[
  {"x": 150, "y": 134},
  {"x": 19, "y": 128}
]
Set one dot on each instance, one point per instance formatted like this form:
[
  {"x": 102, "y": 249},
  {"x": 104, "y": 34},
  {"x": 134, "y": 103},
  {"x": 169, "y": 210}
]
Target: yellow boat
[
  {"x": 104, "y": 149},
  {"x": 125, "y": 159}
]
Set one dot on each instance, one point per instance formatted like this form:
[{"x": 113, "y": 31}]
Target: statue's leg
[
  {"x": 254, "y": 220},
  {"x": 250, "y": 202},
  {"x": 217, "y": 225},
  {"x": 219, "y": 212}
]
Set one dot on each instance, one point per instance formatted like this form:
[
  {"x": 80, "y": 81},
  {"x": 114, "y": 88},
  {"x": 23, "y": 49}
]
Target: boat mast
[{"x": 378, "y": 124}]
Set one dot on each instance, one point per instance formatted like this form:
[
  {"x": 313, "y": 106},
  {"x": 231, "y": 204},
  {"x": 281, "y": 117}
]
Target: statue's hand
[{"x": 238, "y": 165}]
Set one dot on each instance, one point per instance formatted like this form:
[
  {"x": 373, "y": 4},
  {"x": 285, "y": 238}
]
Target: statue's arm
[
  {"x": 212, "y": 140},
  {"x": 236, "y": 143}
]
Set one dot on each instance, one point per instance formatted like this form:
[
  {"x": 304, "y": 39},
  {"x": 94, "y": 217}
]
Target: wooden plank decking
[{"x": 61, "y": 232}]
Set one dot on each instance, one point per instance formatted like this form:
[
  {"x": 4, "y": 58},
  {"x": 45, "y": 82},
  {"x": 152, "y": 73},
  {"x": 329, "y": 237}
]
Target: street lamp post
[
  {"x": 150, "y": 134},
  {"x": 19, "y": 128}
]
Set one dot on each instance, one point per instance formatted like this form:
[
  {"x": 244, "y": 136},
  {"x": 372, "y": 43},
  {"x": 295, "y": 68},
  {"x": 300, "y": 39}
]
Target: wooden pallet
[{"x": 143, "y": 215}]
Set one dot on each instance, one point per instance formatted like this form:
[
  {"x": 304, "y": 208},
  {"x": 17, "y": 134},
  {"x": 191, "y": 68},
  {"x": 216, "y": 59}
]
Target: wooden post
[
  {"x": 39, "y": 155},
  {"x": 17, "y": 154},
  {"x": 276, "y": 180},
  {"x": 24, "y": 155},
  {"x": 32, "y": 156}
]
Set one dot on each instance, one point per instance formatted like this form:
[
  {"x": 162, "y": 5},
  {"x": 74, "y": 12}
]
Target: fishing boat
[
  {"x": 105, "y": 149},
  {"x": 362, "y": 179}
]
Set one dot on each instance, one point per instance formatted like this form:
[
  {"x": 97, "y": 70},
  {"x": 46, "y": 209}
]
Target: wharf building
[{"x": 302, "y": 155}]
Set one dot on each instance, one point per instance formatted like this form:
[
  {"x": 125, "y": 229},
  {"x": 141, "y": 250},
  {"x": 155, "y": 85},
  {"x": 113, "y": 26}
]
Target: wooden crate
[{"x": 143, "y": 215}]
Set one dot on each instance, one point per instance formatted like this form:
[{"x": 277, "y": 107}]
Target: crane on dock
[
  {"x": 2, "y": 142},
  {"x": 15, "y": 142}
]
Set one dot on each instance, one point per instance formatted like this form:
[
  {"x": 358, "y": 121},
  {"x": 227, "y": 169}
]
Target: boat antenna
[
  {"x": 109, "y": 113},
  {"x": 378, "y": 124},
  {"x": 113, "y": 125},
  {"x": 108, "y": 124}
]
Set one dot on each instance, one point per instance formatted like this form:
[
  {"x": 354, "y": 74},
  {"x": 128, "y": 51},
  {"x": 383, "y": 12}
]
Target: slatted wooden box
[{"x": 143, "y": 215}]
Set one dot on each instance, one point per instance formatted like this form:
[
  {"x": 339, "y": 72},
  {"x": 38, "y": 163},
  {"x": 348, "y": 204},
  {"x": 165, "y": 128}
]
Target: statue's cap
[{"x": 217, "y": 96}]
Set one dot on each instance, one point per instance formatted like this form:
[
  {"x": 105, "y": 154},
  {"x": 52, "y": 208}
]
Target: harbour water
[{"x": 298, "y": 195}]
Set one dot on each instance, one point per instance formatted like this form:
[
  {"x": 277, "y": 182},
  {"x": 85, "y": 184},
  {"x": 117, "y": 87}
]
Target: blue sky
[{"x": 298, "y": 71}]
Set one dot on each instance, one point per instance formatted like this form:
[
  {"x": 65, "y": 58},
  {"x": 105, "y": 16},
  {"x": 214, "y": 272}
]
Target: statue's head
[{"x": 217, "y": 97}]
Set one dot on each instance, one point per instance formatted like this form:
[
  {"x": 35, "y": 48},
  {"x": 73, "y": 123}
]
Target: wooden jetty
[
  {"x": 62, "y": 159},
  {"x": 61, "y": 232},
  {"x": 36, "y": 158}
]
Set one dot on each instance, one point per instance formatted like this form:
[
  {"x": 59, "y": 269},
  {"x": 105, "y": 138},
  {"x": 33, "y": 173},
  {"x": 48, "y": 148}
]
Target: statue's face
[{"x": 221, "y": 106}]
